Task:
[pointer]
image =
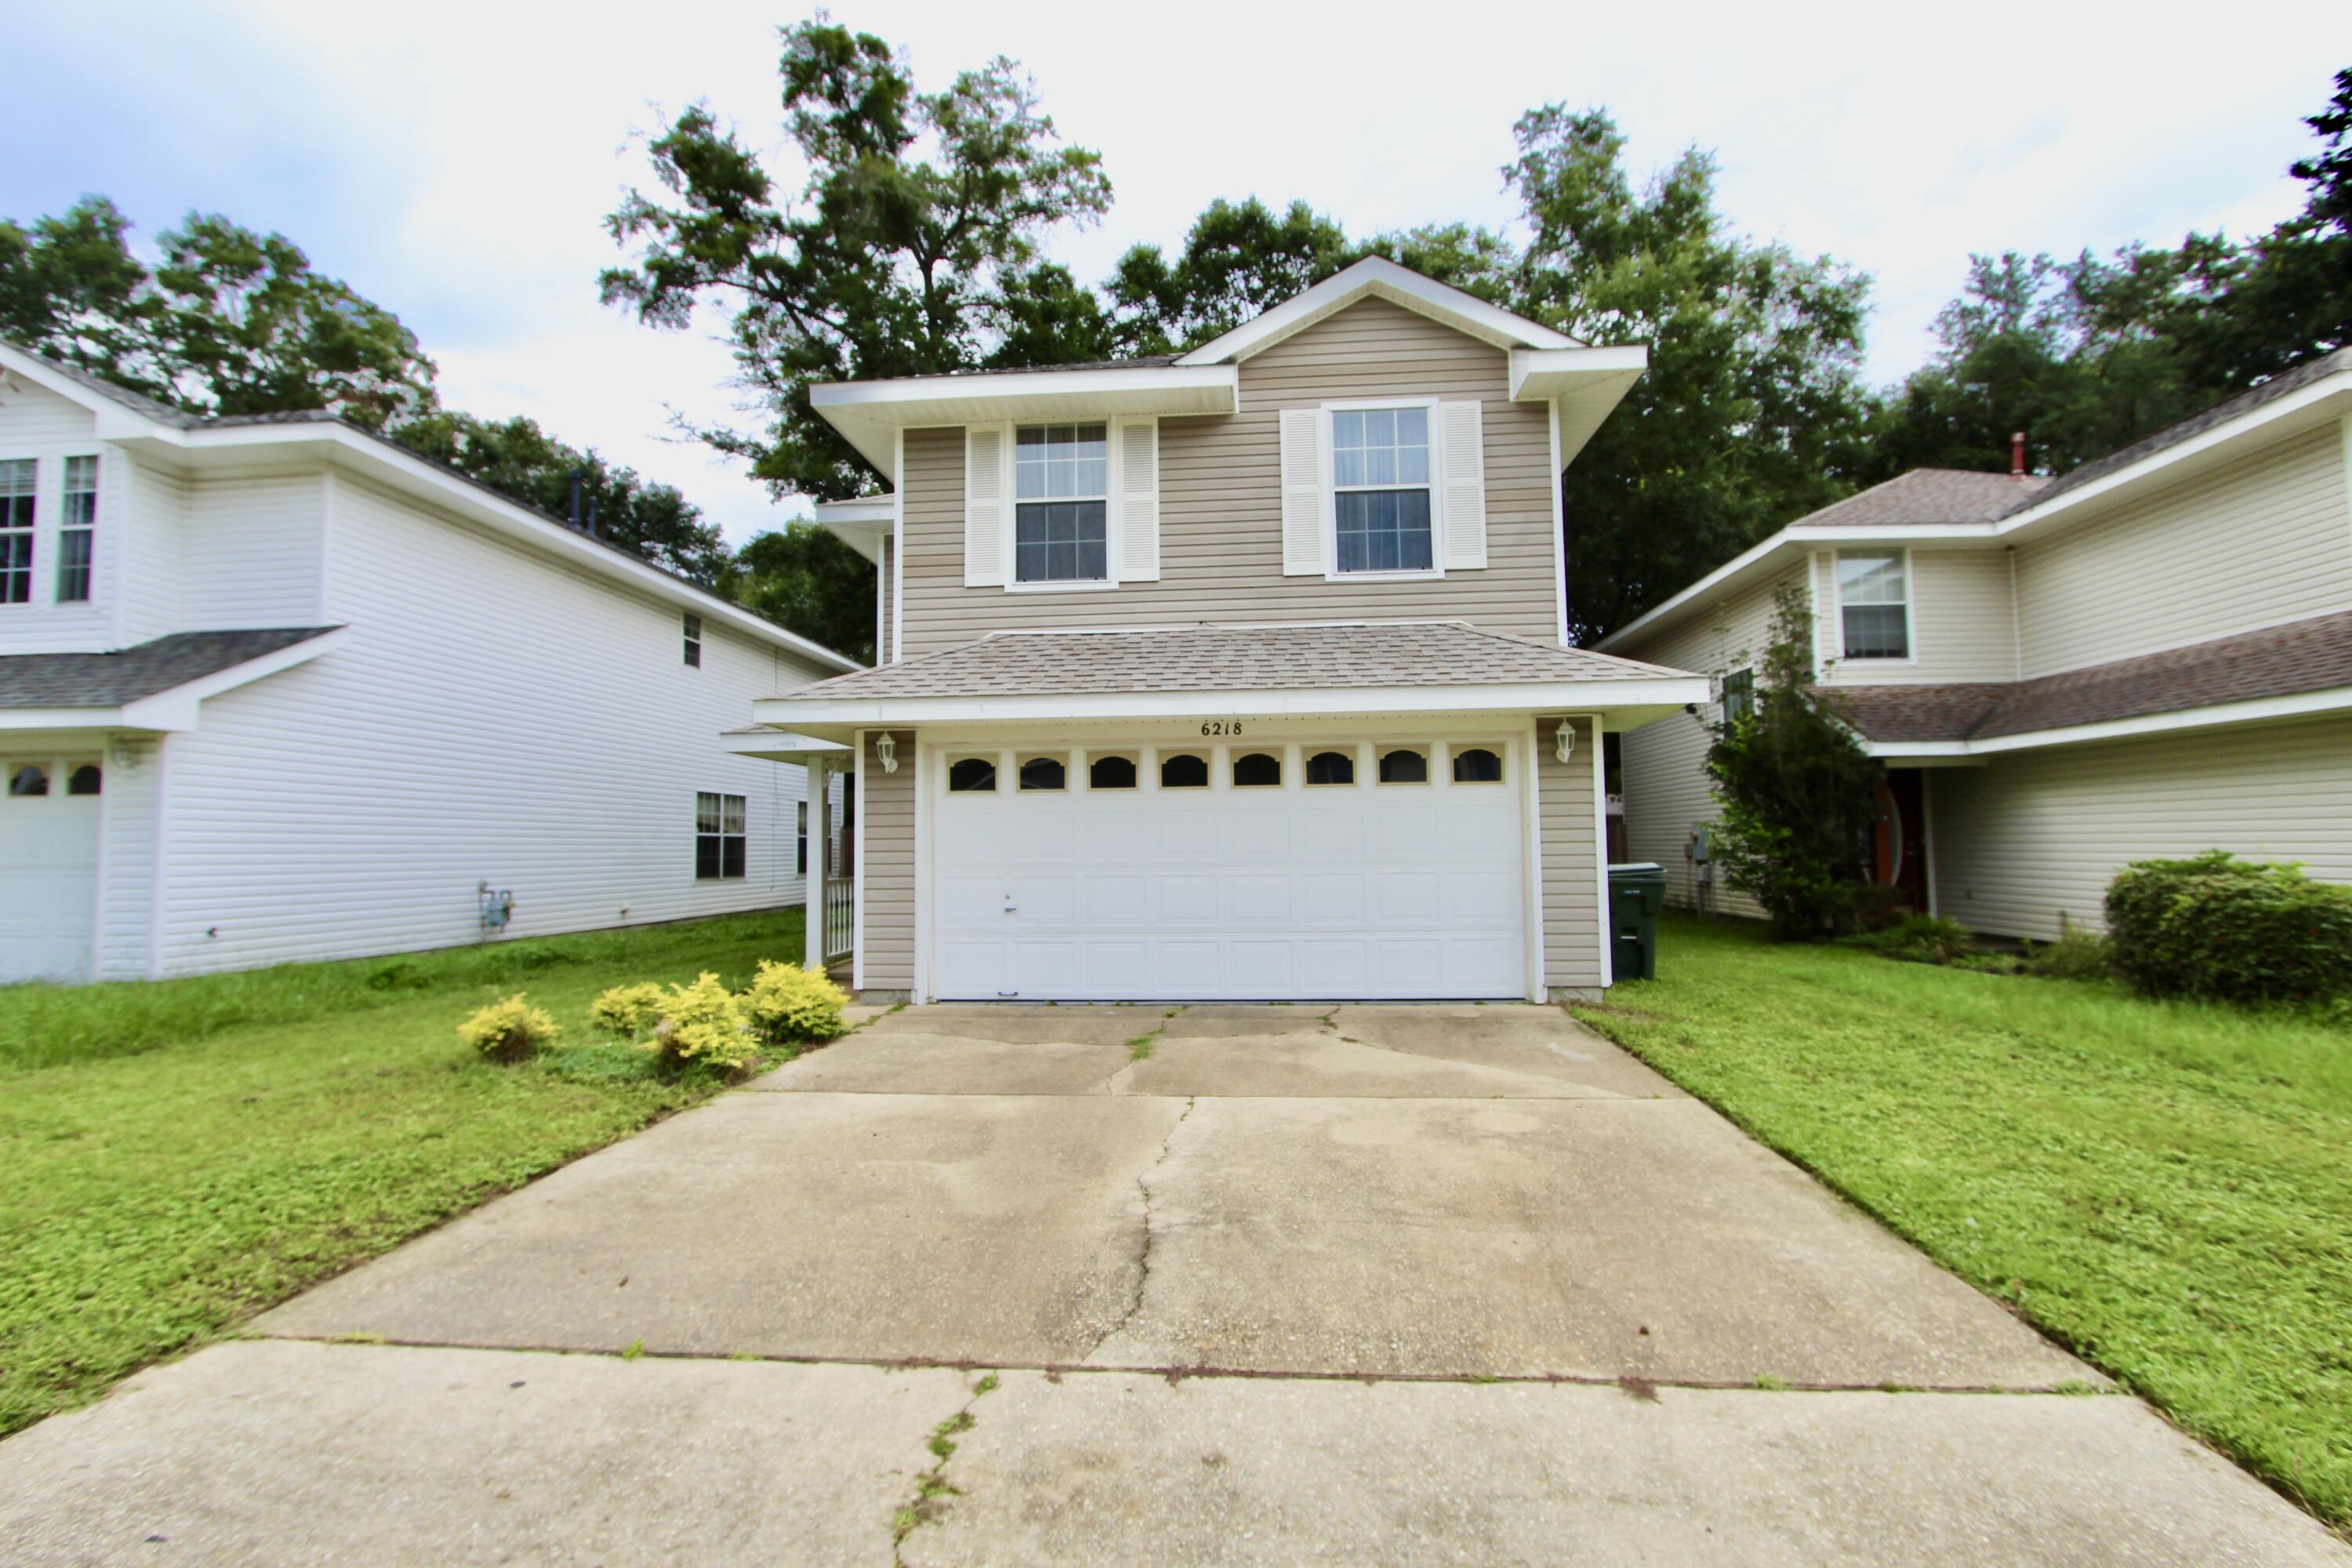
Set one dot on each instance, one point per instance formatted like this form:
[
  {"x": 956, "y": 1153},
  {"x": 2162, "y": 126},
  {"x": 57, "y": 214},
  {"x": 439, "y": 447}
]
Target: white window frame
[
  {"x": 1910, "y": 609},
  {"x": 66, "y": 527},
  {"x": 34, "y": 598},
  {"x": 691, "y": 646},
  {"x": 741, "y": 834},
  {"x": 1723, "y": 702},
  {"x": 1112, "y": 477},
  {"x": 1436, "y": 568}
]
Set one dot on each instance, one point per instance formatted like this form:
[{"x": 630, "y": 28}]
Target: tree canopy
[{"x": 907, "y": 251}]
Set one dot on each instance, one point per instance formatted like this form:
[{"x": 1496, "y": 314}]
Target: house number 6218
[{"x": 1222, "y": 727}]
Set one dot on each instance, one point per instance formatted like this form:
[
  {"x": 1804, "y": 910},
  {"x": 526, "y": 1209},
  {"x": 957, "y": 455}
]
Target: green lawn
[
  {"x": 175, "y": 1155},
  {"x": 2164, "y": 1189}
]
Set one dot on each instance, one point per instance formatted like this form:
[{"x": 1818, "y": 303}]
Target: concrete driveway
[{"x": 1209, "y": 1285}]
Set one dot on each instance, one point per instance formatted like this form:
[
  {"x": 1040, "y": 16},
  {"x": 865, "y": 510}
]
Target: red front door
[{"x": 1899, "y": 845}]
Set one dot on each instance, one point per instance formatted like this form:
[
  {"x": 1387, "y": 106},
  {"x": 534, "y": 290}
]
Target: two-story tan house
[
  {"x": 2149, "y": 656},
  {"x": 1234, "y": 674}
]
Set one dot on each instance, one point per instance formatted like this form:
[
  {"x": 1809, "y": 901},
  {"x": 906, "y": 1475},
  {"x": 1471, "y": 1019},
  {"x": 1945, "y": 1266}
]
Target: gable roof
[
  {"x": 180, "y": 437},
  {"x": 1378, "y": 278},
  {"x": 1966, "y": 508}
]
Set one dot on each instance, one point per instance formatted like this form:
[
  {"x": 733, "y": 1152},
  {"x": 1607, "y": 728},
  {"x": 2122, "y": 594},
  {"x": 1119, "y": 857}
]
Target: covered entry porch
[{"x": 828, "y": 838}]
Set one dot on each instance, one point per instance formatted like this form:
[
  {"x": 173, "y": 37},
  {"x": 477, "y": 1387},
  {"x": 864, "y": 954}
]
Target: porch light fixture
[
  {"x": 886, "y": 748},
  {"x": 1563, "y": 743}
]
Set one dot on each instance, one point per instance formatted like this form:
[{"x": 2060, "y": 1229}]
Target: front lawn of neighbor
[
  {"x": 2164, "y": 1189},
  {"x": 177, "y": 1154}
]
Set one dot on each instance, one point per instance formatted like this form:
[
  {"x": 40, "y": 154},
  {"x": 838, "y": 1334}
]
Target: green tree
[
  {"x": 518, "y": 458},
  {"x": 907, "y": 251},
  {"x": 803, "y": 577},
  {"x": 230, "y": 321},
  {"x": 1752, "y": 412},
  {"x": 1239, "y": 259},
  {"x": 1799, "y": 794}
]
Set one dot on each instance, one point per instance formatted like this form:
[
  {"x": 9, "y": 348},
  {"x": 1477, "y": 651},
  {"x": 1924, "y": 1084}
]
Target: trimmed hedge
[{"x": 2226, "y": 930}]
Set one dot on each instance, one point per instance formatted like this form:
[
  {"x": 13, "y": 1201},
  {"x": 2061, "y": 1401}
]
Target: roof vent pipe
[
  {"x": 576, "y": 475},
  {"x": 592, "y": 516},
  {"x": 2017, "y": 456}
]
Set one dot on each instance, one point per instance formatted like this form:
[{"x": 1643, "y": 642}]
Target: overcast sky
[{"x": 451, "y": 160}]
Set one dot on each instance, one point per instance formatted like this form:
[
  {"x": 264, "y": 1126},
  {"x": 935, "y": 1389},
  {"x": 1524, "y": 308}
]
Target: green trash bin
[{"x": 1637, "y": 891}]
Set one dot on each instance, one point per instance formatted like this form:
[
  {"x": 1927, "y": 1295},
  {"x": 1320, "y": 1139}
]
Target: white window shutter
[
  {"x": 1138, "y": 500},
  {"x": 1463, "y": 436},
  {"x": 1302, "y": 491},
  {"x": 985, "y": 524}
]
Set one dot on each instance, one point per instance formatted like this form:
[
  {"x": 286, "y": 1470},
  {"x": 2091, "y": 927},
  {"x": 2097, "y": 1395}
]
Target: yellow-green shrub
[
  {"x": 703, "y": 1023},
  {"x": 629, "y": 1011},
  {"x": 789, "y": 1006},
  {"x": 510, "y": 1030}
]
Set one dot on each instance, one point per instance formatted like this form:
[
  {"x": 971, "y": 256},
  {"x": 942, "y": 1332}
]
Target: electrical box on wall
[{"x": 498, "y": 908}]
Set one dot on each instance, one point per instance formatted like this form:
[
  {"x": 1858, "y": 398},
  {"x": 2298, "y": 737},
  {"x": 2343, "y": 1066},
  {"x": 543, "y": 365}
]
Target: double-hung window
[
  {"x": 16, "y": 476},
  {"x": 1739, "y": 695},
  {"x": 1061, "y": 504},
  {"x": 77, "y": 531},
  {"x": 1874, "y": 604},
  {"x": 717, "y": 836},
  {"x": 694, "y": 642},
  {"x": 1381, "y": 496}
]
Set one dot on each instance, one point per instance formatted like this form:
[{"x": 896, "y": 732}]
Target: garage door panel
[
  {"x": 1482, "y": 966},
  {"x": 1116, "y": 900},
  {"x": 1105, "y": 834},
  {"x": 1333, "y": 832},
  {"x": 1182, "y": 837},
  {"x": 1478, "y": 899},
  {"x": 1404, "y": 898},
  {"x": 1045, "y": 968},
  {"x": 970, "y": 968},
  {"x": 1470, "y": 831},
  {"x": 1335, "y": 968},
  {"x": 1253, "y": 835},
  {"x": 1053, "y": 900},
  {"x": 1117, "y": 967},
  {"x": 1332, "y": 897},
  {"x": 1185, "y": 899},
  {"x": 1259, "y": 968},
  {"x": 48, "y": 883},
  {"x": 1188, "y": 968},
  {"x": 1406, "y": 832},
  {"x": 971, "y": 900},
  {"x": 1038, "y": 836},
  {"x": 1258, "y": 899}
]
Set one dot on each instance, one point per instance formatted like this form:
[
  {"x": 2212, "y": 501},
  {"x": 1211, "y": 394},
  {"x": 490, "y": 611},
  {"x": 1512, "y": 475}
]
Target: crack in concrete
[
  {"x": 1143, "y": 1248},
  {"x": 1138, "y": 1050},
  {"x": 932, "y": 1489}
]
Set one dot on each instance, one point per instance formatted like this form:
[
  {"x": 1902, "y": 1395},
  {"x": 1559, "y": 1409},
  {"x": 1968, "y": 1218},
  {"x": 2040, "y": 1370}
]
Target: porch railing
[{"x": 840, "y": 917}]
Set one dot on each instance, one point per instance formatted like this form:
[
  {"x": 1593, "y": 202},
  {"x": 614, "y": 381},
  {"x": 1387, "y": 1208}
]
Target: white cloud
[{"x": 454, "y": 161}]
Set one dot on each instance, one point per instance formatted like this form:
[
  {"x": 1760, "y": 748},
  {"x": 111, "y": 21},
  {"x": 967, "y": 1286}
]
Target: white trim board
[{"x": 2255, "y": 711}]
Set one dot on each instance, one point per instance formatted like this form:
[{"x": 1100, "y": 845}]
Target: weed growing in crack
[
  {"x": 1139, "y": 1049},
  {"x": 932, "y": 1489}
]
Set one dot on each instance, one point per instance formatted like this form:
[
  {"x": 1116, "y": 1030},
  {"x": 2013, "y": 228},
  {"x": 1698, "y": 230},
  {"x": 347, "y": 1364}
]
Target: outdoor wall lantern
[
  {"x": 1563, "y": 744},
  {"x": 886, "y": 748}
]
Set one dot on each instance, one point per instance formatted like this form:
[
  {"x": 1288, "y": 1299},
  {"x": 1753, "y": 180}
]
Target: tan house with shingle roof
[
  {"x": 1239, "y": 673},
  {"x": 2150, "y": 655}
]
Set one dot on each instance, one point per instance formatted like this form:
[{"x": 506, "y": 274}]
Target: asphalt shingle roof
[
  {"x": 1228, "y": 658},
  {"x": 1929, "y": 495},
  {"x": 2314, "y": 654},
  {"x": 111, "y": 680}
]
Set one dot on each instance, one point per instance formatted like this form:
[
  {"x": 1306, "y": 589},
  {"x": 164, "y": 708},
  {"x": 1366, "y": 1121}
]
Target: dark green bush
[
  {"x": 1919, "y": 938},
  {"x": 2226, "y": 930},
  {"x": 2079, "y": 954}
]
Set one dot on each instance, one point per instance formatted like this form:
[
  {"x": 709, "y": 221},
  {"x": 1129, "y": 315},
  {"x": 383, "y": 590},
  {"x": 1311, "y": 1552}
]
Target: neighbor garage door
[
  {"x": 49, "y": 867},
  {"x": 1394, "y": 869}
]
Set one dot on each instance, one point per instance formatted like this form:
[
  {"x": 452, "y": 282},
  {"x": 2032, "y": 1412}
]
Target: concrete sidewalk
[{"x": 1260, "y": 1285}]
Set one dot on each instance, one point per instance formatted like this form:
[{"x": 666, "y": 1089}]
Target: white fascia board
[
  {"x": 1379, "y": 277},
  {"x": 14, "y": 721},
  {"x": 862, "y": 524},
  {"x": 2307, "y": 407},
  {"x": 780, "y": 746},
  {"x": 829, "y": 718},
  {"x": 2254, "y": 710},
  {"x": 1541, "y": 373},
  {"x": 870, "y": 413}
]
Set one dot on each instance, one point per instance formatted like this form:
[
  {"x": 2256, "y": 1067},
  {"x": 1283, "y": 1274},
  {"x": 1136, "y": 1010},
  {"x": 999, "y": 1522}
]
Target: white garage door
[
  {"x": 1407, "y": 887},
  {"x": 49, "y": 867}
]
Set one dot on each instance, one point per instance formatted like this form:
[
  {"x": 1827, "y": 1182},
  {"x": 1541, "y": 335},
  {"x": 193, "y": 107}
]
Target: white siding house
[{"x": 321, "y": 693}]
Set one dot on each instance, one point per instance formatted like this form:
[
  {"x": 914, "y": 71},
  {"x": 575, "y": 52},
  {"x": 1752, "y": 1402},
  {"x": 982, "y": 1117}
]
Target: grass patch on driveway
[
  {"x": 2163, "y": 1188},
  {"x": 160, "y": 1181}
]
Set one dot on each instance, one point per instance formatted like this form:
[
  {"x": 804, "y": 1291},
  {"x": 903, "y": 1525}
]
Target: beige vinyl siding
[
  {"x": 1665, "y": 789},
  {"x": 886, "y": 947},
  {"x": 1962, "y": 628},
  {"x": 1220, "y": 505},
  {"x": 2256, "y": 542},
  {"x": 1571, "y": 872},
  {"x": 2038, "y": 834}
]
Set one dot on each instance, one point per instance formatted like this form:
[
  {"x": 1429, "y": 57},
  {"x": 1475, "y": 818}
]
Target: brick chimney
[{"x": 2017, "y": 456}]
